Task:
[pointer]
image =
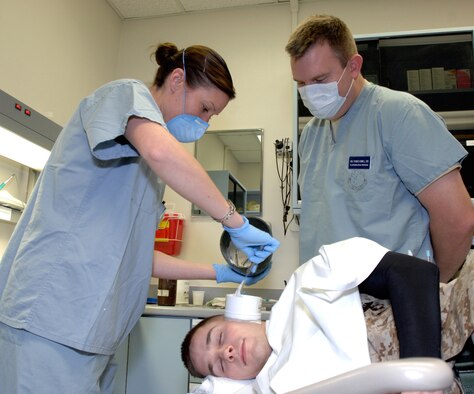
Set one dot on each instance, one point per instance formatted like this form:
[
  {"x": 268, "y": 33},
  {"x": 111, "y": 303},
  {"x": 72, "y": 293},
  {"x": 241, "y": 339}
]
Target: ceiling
[
  {"x": 135, "y": 9},
  {"x": 246, "y": 148}
]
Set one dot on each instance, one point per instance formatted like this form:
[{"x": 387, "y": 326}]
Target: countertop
[{"x": 186, "y": 310}]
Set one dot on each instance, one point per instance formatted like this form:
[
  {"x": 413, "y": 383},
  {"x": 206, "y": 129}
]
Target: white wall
[
  {"x": 372, "y": 16},
  {"x": 54, "y": 52},
  {"x": 211, "y": 152}
]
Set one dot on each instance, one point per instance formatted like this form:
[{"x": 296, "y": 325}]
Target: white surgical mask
[
  {"x": 185, "y": 127},
  {"x": 322, "y": 99}
]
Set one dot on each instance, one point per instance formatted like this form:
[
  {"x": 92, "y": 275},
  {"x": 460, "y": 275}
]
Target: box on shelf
[
  {"x": 463, "y": 78},
  {"x": 425, "y": 79},
  {"x": 169, "y": 235},
  {"x": 450, "y": 79},
  {"x": 413, "y": 80},
  {"x": 437, "y": 74}
]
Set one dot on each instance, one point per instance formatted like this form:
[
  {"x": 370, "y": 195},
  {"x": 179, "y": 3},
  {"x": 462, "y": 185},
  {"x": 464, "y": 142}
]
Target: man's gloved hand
[
  {"x": 226, "y": 274},
  {"x": 255, "y": 243}
]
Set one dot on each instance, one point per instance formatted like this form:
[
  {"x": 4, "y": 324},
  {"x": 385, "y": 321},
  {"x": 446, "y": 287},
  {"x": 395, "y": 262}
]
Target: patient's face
[{"x": 235, "y": 350}]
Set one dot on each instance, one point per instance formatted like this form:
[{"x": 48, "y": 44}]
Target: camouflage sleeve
[{"x": 457, "y": 315}]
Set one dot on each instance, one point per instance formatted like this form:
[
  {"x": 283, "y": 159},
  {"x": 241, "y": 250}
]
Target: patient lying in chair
[{"x": 317, "y": 329}]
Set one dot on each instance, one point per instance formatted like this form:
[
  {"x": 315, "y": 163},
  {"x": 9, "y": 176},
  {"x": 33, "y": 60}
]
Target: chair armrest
[{"x": 409, "y": 374}]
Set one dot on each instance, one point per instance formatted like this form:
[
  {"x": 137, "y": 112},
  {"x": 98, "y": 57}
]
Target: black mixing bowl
[{"x": 237, "y": 259}]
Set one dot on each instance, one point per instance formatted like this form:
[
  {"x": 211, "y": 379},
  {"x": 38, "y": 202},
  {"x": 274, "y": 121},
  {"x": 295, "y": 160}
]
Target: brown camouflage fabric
[{"x": 457, "y": 315}]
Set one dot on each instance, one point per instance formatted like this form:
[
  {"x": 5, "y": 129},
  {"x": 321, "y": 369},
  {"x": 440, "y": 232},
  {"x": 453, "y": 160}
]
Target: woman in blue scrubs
[{"x": 74, "y": 278}]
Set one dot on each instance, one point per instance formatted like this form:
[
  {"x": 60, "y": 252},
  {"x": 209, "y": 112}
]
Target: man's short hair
[{"x": 319, "y": 29}]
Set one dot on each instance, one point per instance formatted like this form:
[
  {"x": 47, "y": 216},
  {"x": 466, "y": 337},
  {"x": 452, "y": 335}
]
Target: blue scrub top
[
  {"x": 362, "y": 179},
  {"x": 78, "y": 266}
]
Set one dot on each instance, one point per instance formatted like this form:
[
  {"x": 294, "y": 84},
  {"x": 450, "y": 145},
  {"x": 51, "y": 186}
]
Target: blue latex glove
[
  {"x": 255, "y": 243},
  {"x": 226, "y": 274}
]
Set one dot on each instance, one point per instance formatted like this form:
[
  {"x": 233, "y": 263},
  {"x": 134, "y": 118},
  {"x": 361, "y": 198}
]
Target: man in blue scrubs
[{"x": 374, "y": 162}]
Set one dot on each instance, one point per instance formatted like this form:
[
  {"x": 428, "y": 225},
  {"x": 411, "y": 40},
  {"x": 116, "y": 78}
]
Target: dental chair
[
  {"x": 410, "y": 374},
  {"x": 387, "y": 377}
]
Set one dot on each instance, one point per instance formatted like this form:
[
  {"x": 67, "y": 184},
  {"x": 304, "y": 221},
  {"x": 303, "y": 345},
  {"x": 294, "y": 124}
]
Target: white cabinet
[{"x": 154, "y": 357}]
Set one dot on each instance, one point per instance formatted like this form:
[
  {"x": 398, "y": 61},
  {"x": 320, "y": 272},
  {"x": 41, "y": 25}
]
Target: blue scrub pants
[
  {"x": 32, "y": 364},
  {"x": 412, "y": 286}
]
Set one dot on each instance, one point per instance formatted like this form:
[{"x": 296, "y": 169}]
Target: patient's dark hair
[{"x": 187, "y": 343}]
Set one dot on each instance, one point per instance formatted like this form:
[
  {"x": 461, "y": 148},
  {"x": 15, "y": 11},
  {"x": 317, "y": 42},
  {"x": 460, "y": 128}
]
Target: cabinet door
[{"x": 154, "y": 361}]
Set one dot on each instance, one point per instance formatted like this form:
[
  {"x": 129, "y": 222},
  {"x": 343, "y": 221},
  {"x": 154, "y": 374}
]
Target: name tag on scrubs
[{"x": 359, "y": 162}]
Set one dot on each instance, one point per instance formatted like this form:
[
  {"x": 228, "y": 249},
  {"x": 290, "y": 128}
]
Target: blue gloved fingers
[
  {"x": 256, "y": 254},
  {"x": 251, "y": 280},
  {"x": 272, "y": 246},
  {"x": 225, "y": 274},
  {"x": 267, "y": 250},
  {"x": 255, "y": 243},
  {"x": 250, "y": 252}
]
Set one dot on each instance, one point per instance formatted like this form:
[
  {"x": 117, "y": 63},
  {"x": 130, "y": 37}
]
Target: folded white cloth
[
  {"x": 217, "y": 302},
  {"x": 216, "y": 385},
  {"x": 317, "y": 329}
]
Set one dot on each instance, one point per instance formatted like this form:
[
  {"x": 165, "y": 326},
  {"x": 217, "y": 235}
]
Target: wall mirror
[{"x": 233, "y": 159}]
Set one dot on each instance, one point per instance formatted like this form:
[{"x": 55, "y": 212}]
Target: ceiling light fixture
[
  {"x": 22, "y": 151},
  {"x": 26, "y": 136}
]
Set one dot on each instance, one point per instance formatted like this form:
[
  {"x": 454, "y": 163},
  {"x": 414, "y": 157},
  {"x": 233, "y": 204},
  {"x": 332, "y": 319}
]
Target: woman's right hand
[{"x": 255, "y": 243}]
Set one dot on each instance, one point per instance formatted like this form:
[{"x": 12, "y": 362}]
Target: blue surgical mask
[{"x": 185, "y": 127}]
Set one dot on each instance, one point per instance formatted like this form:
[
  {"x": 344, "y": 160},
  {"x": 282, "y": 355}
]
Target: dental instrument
[
  {"x": 4, "y": 183},
  {"x": 249, "y": 270}
]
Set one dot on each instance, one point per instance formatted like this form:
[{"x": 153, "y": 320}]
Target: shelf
[
  {"x": 9, "y": 215},
  {"x": 442, "y": 91},
  {"x": 435, "y": 59}
]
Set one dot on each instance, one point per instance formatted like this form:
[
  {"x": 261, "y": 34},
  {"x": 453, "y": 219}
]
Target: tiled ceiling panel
[
  {"x": 128, "y": 9},
  {"x": 200, "y": 5}
]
